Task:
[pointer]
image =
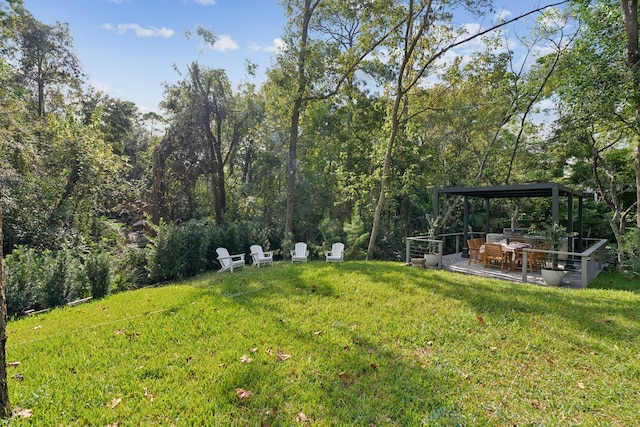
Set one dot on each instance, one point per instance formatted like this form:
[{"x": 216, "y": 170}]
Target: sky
[{"x": 129, "y": 48}]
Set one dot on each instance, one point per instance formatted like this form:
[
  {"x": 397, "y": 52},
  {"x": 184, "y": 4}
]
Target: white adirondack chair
[
  {"x": 300, "y": 253},
  {"x": 229, "y": 262},
  {"x": 336, "y": 254},
  {"x": 259, "y": 256}
]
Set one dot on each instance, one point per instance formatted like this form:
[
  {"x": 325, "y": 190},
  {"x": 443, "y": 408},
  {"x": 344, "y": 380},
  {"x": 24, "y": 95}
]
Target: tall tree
[
  {"x": 47, "y": 60},
  {"x": 427, "y": 34},
  {"x": 630, "y": 18}
]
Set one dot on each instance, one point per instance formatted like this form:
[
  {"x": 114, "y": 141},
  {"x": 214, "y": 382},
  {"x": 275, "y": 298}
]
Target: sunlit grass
[{"x": 339, "y": 344}]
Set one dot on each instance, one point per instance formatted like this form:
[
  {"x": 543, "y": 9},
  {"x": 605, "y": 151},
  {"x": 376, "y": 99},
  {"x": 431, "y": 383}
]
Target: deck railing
[
  {"x": 418, "y": 246},
  {"x": 591, "y": 260}
]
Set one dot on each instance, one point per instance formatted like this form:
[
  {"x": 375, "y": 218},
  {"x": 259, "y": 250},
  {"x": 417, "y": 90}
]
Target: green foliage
[
  {"x": 132, "y": 271},
  {"x": 357, "y": 237},
  {"x": 97, "y": 270},
  {"x": 57, "y": 282},
  {"x": 188, "y": 248},
  {"x": 24, "y": 272}
]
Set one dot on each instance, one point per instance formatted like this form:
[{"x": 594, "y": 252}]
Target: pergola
[{"x": 544, "y": 189}]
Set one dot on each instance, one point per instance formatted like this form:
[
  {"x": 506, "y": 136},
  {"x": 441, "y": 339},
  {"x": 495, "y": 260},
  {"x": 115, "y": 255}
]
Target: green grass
[{"x": 369, "y": 343}]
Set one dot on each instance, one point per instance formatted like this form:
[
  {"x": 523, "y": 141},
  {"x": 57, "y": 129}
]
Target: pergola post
[{"x": 465, "y": 231}]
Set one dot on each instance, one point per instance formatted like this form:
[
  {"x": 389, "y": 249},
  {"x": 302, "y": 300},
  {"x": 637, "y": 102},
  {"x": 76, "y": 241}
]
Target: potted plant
[
  {"x": 554, "y": 234},
  {"x": 432, "y": 257}
]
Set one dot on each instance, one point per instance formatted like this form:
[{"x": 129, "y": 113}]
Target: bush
[
  {"x": 97, "y": 272},
  {"x": 23, "y": 274},
  {"x": 55, "y": 285},
  {"x": 186, "y": 249},
  {"x": 132, "y": 269}
]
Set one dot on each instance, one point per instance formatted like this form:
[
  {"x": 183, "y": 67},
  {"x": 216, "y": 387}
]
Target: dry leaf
[
  {"x": 344, "y": 377},
  {"x": 269, "y": 351},
  {"x": 536, "y": 404},
  {"x": 13, "y": 364},
  {"x": 20, "y": 377},
  {"x": 302, "y": 417},
  {"x": 318, "y": 333},
  {"x": 465, "y": 375},
  {"x": 253, "y": 350},
  {"x": 115, "y": 402},
  {"x": 119, "y": 332},
  {"x": 373, "y": 366},
  {"x": 222, "y": 365},
  {"x": 246, "y": 359},
  {"x": 37, "y": 327},
  {"x": 24, "y": 413},
  {"x": 581, "y": 385},
  {"x": 493, "y": 348},
  {"x": 150, "y": 395},
  {"x": 242, "y": 393},
  {"x": 116, "y": 424},
  {"x": 283, "y": 356},
  {"x": 480, "y": 319}
]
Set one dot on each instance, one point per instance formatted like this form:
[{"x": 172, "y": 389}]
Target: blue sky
[{"x": 128, "y": 48}]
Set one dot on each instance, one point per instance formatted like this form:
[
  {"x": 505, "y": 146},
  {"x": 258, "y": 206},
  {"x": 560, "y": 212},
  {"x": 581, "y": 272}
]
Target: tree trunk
[
  {"x": 298, "y": 105},
  {"x": 5, "y": 407},
  {"x": 630, "y": 16}
]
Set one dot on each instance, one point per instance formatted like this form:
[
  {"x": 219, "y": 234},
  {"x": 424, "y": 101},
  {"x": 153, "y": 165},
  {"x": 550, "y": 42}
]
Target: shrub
[
  {"x": 97, "y": 272},
  {"x": 23, "y": 274},
  {"x": 55, "y": 285}
]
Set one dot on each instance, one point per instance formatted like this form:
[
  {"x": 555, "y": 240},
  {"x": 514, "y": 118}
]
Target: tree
[
  {"x": 427, "y": 34},
  {"x": 47, "y": 60}
]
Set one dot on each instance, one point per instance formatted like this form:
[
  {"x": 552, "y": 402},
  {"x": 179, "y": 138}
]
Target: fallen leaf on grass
[
  {"x": 13, "y": 364},
  {"x": 480, "y": 319},
  {"x": 283, "y": 356},
  {"x": 115, "y": 402},
  {"x": 17, "y": 377},
  {"x": 116, "y": 424},
  {"x": 318, "y": 333},
  {"x": 493, "y": 348},
  {"x": 269, "y": 351},
  {"x": 253, "y": 350},
  {"x": 36, "y": 327},
  {"x": 536, "y": 404},
  {"x": 120, "y": 332},
  {"x": 373, "y": 366},
  {"x": 346, "y": 378},
  {"x": 242, "y": 393},
  {"x": 465, "y": 375},
  {"x": 24, "y": 413},
  {"x": 246, "y": 359},
  {"x": 302, "y": 417},
  {"x": 150, "y": 395},
  {"x": 222, "y": 365},
  {"x": 581, "y": 385}
]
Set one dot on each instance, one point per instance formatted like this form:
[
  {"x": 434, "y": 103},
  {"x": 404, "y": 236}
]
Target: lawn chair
[
  {"x": 300, "y": 253},
  {"x": 259, "y": 256},
  {"x": 336, "y": 254},
  {"x": 493, "y": 255},
  {"x": 229, "y": 262}
]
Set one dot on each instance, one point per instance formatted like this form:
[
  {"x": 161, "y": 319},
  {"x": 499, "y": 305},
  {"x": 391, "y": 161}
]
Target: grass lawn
[{"x": 357, "y": 344}]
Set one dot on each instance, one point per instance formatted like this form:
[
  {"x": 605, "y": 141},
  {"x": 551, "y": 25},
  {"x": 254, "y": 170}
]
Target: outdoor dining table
[{"x": 510, "y": 250}]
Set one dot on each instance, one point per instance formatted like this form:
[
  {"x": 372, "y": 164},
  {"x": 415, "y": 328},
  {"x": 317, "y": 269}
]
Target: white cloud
[
  {"x": 140, "y": 31},
  {"x": 224, "y": 43},
  {"x": 277, "y": 45},
  {"x": 206, "y": 2},
  {"x": 503, "y": 15}
]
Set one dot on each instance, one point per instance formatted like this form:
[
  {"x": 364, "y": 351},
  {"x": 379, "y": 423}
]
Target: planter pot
[
  {"x": 431, "y": 260},
  {"x": 552, "y": 277}
]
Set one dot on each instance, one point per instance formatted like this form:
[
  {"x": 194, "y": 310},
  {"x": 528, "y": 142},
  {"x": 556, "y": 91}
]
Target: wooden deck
[{"x": 455, "y": 262}]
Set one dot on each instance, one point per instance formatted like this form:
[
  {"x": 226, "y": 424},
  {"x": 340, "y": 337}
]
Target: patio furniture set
[{"x": 259, "y": 257}]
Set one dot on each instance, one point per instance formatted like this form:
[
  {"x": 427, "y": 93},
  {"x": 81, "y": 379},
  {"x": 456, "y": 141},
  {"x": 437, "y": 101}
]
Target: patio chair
[
  {"x": 229, "y": 262},
  {"x": 336, "y": 254},
  {"x": 300, "y": 253},
  {"x": 474, "y": 250},
  {"x": 259, "y": 256},
  {"x": 493, "y": 255},
  {"x": 535, "y": 260}
]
